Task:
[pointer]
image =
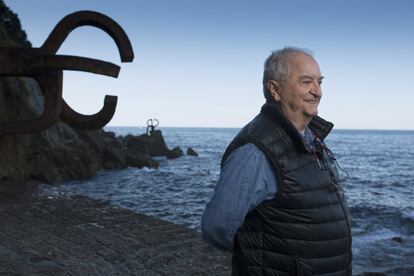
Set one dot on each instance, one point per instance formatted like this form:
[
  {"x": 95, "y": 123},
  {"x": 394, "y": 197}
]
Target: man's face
[{"x": 300, "y": 95}]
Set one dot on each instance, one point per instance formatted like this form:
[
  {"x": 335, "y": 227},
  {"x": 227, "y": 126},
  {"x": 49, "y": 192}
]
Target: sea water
[{"x": 379, "y": 188}]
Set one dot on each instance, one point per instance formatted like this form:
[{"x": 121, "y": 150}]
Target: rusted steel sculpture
[
  {"x": 43, "y": 65},
  {"x": 151, "y": 125}
]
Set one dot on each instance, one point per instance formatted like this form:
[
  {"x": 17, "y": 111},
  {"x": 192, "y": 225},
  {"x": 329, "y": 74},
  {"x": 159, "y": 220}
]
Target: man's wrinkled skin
[{"x": 300, "y": 95}]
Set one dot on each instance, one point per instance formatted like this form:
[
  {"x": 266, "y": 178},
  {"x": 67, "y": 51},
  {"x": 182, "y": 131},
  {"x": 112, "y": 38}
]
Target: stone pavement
[{"x": 78, "y": 235}]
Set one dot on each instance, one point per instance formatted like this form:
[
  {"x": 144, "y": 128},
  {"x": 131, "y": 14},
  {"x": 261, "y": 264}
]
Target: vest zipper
[
  {"x": 338, "y": 188},
  {"x": 297, "y": 269},
  {"x": 336, "y": 185}
]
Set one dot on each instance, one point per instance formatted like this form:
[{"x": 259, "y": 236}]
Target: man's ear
[{"x": 274, "y": 89}]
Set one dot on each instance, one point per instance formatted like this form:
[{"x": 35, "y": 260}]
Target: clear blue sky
[{"x": 200, "y": 63}]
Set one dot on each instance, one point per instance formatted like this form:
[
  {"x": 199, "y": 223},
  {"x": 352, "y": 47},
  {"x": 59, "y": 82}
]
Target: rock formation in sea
[
  {"x": 61, "y": 152},
  {"x": 175, "y": 153},
  {"x": 191, "y": 152}
]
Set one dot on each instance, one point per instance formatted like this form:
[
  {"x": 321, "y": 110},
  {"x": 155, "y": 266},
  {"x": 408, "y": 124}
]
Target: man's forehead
[
  {"x": 302, "y": 64},
  {"x": 300, "y": 58},
  {"x": 313, "y": 76}
]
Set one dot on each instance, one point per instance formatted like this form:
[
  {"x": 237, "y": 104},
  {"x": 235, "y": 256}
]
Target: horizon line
[{"x": 370, "y": 129}]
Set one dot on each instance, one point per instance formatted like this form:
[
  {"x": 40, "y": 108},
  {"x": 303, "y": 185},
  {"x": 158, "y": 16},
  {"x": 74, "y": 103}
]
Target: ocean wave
[{"x": 374, "y": 217}]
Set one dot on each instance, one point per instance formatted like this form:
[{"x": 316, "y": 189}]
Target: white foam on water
[{"x": 407, "y": 213}]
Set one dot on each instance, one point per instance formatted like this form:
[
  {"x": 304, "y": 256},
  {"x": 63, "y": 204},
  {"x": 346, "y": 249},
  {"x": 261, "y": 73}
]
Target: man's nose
[{"x": 316, "y": 89}]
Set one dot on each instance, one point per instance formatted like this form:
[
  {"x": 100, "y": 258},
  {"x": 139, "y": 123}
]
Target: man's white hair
[{"x": 277, "y": 67}]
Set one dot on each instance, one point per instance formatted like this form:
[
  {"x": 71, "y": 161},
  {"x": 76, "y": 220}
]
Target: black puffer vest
[{"x": 305, "y": 228}]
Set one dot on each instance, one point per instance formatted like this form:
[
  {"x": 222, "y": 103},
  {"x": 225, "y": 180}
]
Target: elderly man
[{"x": 278, "y": 204}]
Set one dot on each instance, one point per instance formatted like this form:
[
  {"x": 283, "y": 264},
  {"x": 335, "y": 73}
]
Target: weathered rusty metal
[
  {"x": 13, "y": 62},
  {"x": 43, "y": 65},
  {"x": 89, "y": 18},
  {"x": 151, "y": 125},
  {"x": 98, "y": 119},
  {"x": 73, "y": 63}
]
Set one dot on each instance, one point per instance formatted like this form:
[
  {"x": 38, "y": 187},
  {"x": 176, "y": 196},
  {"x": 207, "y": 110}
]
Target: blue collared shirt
[{"x": 246, "y": 179}]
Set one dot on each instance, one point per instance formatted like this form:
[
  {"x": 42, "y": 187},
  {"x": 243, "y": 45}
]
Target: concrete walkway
[{"x": 81, "y": 236}]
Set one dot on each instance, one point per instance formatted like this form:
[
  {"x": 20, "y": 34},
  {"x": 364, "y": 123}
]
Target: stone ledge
[{"x": 78, "y": 235}]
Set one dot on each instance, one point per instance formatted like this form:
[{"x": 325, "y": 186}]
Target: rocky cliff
[{"x": 61, "y": 152}]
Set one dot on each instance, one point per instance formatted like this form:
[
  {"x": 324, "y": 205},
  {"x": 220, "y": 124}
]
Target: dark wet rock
[
  {"x": 373, "y": 274},
  {"x": 11, "y": 33},
  {"x": 48, "y": 175},
  {"x": 77, "y": 154},
  {"x": 140, "y": 161},
  {"x": 175, "y": 153},
  {"x": 155, "y": 143},
  {"x": 135, "y": 145},
  {"x": 109, "y": 135},
  {"x": 121, "y": 139},
  {"x": 20, "y": 154},
  {"x": 140, "y": 149},
  {"x": 113, "y": 155},
  {"x": 192, "y": 152},
  {"x": 397, "y": 239}
]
